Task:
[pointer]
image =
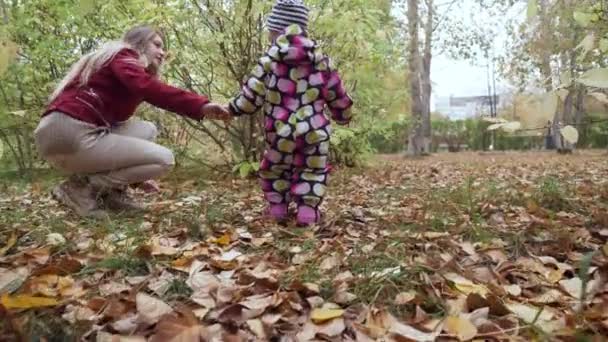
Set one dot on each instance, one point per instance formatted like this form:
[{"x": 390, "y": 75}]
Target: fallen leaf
[
  {"x": 405, "y": 297},
  {"x": 257, "y": 327},
  {"x": 549, "y": 297},
  {"x": 151, "y": 309},
  {"x": 27, "y": 302},
  {"x": 464, "y": 285},
  {"x": 468, "y": 248},
  {"x": 9, "y": 244},
  {"x": 574, "y": 286},
  {"x": 223, "y": 240},
  {"x": 161, "y": 285},
  {"x": 182, "y": 328},
  {"x": 112, "y": 287},
  {"x": 75, "y": 314},
  {"x": 332, "y": 328},
  {"x": 127, "y": 325},
  {"x": 344, "y": 277},
  {"x": 434, "y": 235},
  {"x": 513, "y": 290},
  {"x": 329, "y": 263},
  {"x": 55, "y": 239},
  {"x": 344, "y": 297},
  {"x": 11, "y": 280},
  {"x": 103, "y": 336},
  {"x": 528, "y": 313},
  {"x": 230, "y": 255},
  {"x": 463, "y": 329},
  {"x": 322, "y": 315},
  {"x": 406, "y": 331}
]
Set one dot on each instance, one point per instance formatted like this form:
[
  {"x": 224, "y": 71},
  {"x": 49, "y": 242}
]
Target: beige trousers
[{"x": 110, "y": 157}]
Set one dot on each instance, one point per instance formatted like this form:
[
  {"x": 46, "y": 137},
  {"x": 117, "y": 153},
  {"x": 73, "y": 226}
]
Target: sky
[{"x": 462, "y": 78}]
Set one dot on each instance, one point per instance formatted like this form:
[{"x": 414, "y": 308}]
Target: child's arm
[
  {"x": 338, "y": 101},
  {"x": 253, "y": 92}
]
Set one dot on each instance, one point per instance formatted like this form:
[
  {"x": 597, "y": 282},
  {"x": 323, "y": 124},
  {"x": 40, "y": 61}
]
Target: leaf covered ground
[{"x": 468, "y": 246}]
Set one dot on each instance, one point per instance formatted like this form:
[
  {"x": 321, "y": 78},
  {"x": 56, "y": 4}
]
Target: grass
[
  {"x": 178, "y": 291},
  {"x": 551, "y": 193},
  {"x": 130, "y": 265}
]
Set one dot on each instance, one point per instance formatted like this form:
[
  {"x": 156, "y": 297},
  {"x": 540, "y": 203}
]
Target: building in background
[{"x": 463, "y": 107}]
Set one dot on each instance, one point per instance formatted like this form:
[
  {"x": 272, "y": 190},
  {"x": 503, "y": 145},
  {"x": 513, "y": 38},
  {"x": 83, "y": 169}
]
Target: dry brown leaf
[
  {"x": 11, "y": 280},
  {"x": 112, "y": 287},
  {"x": 406, "y": 331},
  {"x": 574, "y": 287},
  {"x": 513, "y": 290},
  {"x": 9, "y": 244},
  {"x": 151, "y": 309},
  {"x": 75, "y": 314},
  {"x": 548, "y": 297},
  {"x": 259, "y": 302},
  {"x": 161, "y": 284},
  {"x": 468, "y": 248},
  {"x": 257, "y": 327},
  {"x": 127, "y": 325},
  {"x": 181, "y": 328},
  {"x": 344, "y": 297},
  {"x": 405, "y": 297},
  {"x": 343, "y": 277},
  {"x": 103, "y": 336},
  {"x": 332, "y": 328},
  {"x": 329, "y": 263}
]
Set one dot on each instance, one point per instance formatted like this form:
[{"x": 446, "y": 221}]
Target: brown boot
[
  {"x": 120, "y": 200},
  {"x": 80, "y": 197}
]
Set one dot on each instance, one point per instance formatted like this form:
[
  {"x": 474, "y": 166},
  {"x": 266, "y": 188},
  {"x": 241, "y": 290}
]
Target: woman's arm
[{"x": 132, "y": 74}]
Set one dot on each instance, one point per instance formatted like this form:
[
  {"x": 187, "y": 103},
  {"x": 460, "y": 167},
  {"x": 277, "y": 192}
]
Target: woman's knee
[
  {"x": 150, "y": 129},
  {"x": 165, "y": 157}
]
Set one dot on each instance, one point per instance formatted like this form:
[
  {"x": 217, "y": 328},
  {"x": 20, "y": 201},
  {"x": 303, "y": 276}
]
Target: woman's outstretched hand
[{"x": 216, "y": 111}]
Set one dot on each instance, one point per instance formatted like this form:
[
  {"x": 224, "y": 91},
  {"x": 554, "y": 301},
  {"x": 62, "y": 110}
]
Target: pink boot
[
  {"x": 277, "y": 212},
  {"x": 307, "y": 216}
]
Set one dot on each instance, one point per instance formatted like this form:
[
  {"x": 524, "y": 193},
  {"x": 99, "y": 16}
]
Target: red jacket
[{"x": 114, "y": 92}]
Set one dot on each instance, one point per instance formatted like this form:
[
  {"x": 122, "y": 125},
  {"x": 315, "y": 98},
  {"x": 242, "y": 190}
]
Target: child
[{"x": 294, "y": 83}]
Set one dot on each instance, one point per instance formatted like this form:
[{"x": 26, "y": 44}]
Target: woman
[{"x": 86, "y": 130}]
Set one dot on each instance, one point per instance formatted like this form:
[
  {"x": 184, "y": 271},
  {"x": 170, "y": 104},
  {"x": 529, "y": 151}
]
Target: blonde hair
[{"x": 136, "y": 38}]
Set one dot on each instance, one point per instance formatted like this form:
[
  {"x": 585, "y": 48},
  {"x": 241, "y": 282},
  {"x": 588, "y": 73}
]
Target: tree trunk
[
  {"x": 4, "y": 10},
  {"x": 426, "y": 76},
  {"x": 416, "y": 138},
  {"x": 579, "y": 115},
  {"x": 546, "y": 36}
]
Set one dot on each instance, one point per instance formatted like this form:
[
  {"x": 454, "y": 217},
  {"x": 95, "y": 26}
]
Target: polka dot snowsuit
[{"x": 294, "y": 84}]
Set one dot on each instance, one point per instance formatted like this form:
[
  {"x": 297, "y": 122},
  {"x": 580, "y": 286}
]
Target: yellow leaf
[
  {"x": 463, "y": 329},
  {"x": 605, "y": 249},
  {"x": 26, "y": 302},
  {"x": 465, "y": 285},
  {"x": 11, "y": 241},
  {"x": 322, "y": 315},
  {"x": 223, "y": 240}
]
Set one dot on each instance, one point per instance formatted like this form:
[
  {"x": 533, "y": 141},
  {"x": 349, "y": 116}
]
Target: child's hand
[{"x": 216, "y": 111}]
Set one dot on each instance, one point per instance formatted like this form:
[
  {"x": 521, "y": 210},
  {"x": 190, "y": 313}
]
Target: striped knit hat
[{"x": 287, "y": 12}]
